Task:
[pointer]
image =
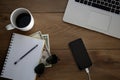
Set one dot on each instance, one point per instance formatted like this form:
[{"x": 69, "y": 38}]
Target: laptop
[{"x": 98, "y": 15}]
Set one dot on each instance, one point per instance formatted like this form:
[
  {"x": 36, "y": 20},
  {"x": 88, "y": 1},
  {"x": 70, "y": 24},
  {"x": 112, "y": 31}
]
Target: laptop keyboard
[{"x": 108, "y": 5}]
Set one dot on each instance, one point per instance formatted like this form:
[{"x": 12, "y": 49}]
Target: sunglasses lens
[
  {"x": 52, "y": 59},
  {"x": 40, "y": 68}
]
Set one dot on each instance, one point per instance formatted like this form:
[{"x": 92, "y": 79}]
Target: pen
[{"x": 25, "y": 54}]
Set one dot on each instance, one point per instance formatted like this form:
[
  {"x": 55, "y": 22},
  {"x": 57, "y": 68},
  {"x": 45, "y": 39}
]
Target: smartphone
[{"x": 80, "y": 54}]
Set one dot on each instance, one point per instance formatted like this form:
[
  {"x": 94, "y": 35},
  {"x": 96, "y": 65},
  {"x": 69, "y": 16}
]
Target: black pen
[{"x": 25, "y": 54}]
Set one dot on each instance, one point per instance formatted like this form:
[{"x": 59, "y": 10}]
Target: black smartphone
[{"x": 80, "y": 54}]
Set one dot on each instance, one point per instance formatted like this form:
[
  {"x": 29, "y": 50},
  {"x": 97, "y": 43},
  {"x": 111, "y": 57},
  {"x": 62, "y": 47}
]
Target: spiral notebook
[{"x": 24, "y": 69}]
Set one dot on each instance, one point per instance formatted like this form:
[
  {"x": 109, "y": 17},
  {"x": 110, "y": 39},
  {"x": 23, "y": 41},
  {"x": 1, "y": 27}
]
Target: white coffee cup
[{"x": 22, "y": 19}]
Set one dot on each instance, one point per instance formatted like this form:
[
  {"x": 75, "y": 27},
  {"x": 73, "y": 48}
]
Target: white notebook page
[{"x": 24, "y": 69}]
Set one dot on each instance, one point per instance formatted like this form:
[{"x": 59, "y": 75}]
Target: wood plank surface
[
  {"x": 34, "y": 5},
  {"x": 104, "y": 50},
  {"x": 100, "y": 70}
]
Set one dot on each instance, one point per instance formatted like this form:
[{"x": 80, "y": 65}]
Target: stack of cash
[{"x": 46, "y": 51}]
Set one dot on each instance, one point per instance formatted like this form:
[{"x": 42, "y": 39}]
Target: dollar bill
[
  {"x": 46, "y": 51},
  {"x": 46, "y": 38}
]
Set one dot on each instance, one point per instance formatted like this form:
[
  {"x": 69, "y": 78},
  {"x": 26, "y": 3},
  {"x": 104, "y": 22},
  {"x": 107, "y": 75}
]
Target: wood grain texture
[
  {"x": 105, "y": 66},
  {"x": 34, "y": 5},
  {"x": 62, "y": 33},
  {"x": 104, "y": 50}
]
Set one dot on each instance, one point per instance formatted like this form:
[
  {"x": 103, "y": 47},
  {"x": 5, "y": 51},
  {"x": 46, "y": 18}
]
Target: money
[
  {"x": 37, "y": 35},
  {"x": 46, "y": 38},
  {"x": 46, "y": 51}
]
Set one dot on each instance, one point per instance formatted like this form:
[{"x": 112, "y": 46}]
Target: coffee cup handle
[{"x": 9, "y": 27}]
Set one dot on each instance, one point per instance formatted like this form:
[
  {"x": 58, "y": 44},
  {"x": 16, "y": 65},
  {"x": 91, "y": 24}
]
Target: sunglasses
[{"x": 39, "y": 69}]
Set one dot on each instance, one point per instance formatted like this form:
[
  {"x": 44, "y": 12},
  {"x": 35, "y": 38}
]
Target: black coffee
[{"x": 23, "y": 20}]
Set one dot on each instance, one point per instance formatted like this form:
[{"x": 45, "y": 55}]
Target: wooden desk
[{"x": 103, "y": 50}]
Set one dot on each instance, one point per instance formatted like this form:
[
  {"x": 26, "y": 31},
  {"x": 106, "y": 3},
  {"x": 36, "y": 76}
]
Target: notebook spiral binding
[{"x": 8, "y": 52}]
